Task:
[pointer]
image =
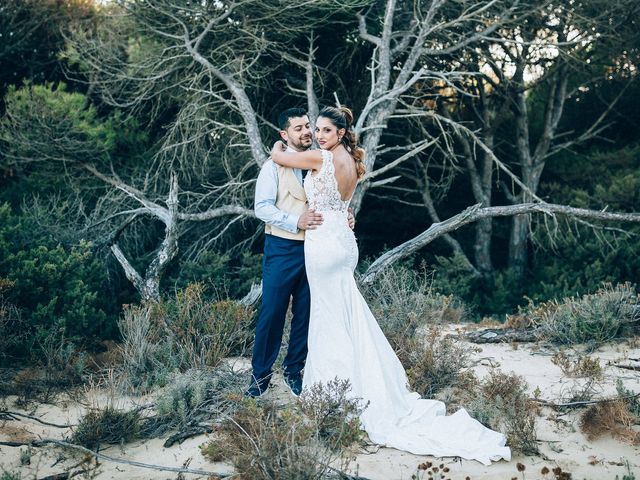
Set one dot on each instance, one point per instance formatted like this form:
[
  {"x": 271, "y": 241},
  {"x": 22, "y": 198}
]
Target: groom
[{"x": 281, "y": 203}]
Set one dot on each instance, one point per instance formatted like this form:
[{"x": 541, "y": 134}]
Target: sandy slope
[{"x": 560, "y": 439}]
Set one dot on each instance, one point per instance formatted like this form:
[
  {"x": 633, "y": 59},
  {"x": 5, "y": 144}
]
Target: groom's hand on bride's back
[
  {"x": 351, "y": 220},
  {"x": 309, "y": 220}
]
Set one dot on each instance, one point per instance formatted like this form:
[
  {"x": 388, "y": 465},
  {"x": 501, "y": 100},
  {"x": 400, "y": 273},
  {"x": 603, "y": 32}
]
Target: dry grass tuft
[
  {"x": 581, "y": 366},
  {"x": 108, "y": 425},
  {"x": 611, "y": 417}
]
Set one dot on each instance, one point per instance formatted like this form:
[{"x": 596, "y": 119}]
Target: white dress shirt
[{"x": 265, "y": 199}]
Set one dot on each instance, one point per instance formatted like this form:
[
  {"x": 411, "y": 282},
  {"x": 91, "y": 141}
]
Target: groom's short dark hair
[{"x": 288, "y": 114}]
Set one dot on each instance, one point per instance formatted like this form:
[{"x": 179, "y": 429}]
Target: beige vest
[{"x": 290, "y": 198}]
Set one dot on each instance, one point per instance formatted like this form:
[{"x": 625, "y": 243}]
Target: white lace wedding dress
[{"x": 345, "y": 341}]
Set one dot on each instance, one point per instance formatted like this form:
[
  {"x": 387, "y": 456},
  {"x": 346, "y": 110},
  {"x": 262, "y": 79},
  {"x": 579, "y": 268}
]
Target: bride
[{"x": 345, "y": 340}]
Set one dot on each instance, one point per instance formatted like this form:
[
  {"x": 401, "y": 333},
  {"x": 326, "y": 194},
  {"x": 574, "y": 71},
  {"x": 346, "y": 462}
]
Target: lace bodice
[{"x": 322, "y": 187}]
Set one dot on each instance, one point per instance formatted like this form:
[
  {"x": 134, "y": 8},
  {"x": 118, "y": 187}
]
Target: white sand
[{"x": 560, "y": 439}]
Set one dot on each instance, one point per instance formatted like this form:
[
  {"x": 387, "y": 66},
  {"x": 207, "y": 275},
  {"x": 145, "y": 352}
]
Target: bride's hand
[{"x": 278, "y": 147}]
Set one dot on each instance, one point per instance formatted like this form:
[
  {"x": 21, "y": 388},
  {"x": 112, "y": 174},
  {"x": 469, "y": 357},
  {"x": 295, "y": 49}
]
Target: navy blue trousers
[{"x": 283, "y": 277}]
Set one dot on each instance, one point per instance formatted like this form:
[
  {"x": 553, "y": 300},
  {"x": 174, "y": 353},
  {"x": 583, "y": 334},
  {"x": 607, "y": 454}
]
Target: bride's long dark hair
[{"x": 343, "y": 118}]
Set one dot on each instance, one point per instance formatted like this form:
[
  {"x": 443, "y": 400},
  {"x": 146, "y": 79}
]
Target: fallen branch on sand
[
  {"x": 16, "y": 414},
  {"x": 101, "y": 456},
  {"x": 635, "y": 368},
  {"x": 504, "y": 335},
  {"x": 190, "y": 432},
  {"x": 64, "y": 475},
  {"x": 583, "y": 402}
]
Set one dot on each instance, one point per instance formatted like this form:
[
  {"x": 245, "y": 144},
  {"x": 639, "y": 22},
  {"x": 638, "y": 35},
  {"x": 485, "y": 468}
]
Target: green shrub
[
  {"x": 434, "y": 362},
  {"x": 574, "y": 258},
  {"x": 6, "y": 475},
  {"x": 13, "y": 328},
  {"x": 228, "y": 274},
  {"x": 334, "y": 413},
  {"x": 501, "y": 402},
  {"x": 182, "y": 333},
  {"x": 453, "y": 277},
  {"x": 265, "y": 442},
  {"x": 55, "y": 288},
  {"x": 594, "y": 318}
]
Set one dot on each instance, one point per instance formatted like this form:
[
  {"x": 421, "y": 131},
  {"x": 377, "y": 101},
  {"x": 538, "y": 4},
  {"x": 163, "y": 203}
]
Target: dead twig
[
  {"x": 583, "y": 402},
  {"x": 635, "y": 368},
  {"x": 64, "y": 475},
  {"x": 9, "y": 413},
  {"x": 179, "y": 437}
]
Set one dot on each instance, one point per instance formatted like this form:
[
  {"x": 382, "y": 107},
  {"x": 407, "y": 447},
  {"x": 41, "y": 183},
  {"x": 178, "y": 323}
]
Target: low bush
[
  {"x": 435, "y": 361},
  {"x": 594, "y": 318},
  {"x": 183, "y": 395},
  {"x": 196, "y": 394},
  {"x": 231, "y": 273},
  {"x": 206, "y": 331},
  {"x": 409, "y": 312},
  {"x": 500, "y": 402},
  {"x": 631, "y": 398},
  {"x": 59, "y": 365},
  {"x": 55, "y": 287},
  {"x": 147, "y": 357},
  {"x": 108, "y": 425},
  {"x": 333, "y": 412},
  {"x": 7, "y": 475},
  {"x": 581, "y": 366},
  {"x": 13, "y": 327},
  {"x": 265, "y": 442},
  {"x": 186, "y": 332},
  {"x": 306, "y": 439},
  {"x": 403, "y": 300}
]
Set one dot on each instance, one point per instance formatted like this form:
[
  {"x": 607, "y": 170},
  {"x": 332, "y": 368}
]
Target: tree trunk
[
  {"x": 484, "y": 227},
  {"x": 518, "y": 245},
  {"x": 370, "y": 143},
  {"x": 482, "y": 247}
]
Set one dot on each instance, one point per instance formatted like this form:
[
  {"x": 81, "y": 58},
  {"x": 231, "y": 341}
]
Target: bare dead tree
[
  {"x": 498, "y": 72},
  {"x": 403, "y": 58},
  {"x": 538, "y": 55},
  {"x": 476, "y": 212}
]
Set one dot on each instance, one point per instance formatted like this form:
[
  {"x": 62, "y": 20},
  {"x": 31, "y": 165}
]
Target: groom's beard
[{"x": 303, "y": 144}]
